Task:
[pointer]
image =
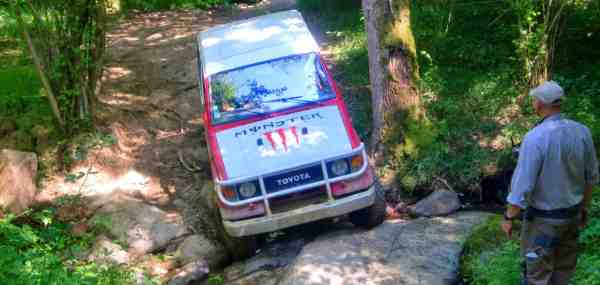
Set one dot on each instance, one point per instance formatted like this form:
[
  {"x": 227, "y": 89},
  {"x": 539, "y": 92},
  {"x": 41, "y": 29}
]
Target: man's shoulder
[{"x": 577, "y": 126}]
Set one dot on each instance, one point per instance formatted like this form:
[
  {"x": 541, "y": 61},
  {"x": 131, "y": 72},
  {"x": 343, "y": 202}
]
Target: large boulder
[
  {"x": 422, "y": 251},
  {"x": 197, "y": 247},
  {"x": 144, "y": 228},
  {"x": 438, "y": 203},
  {"x": 18, "y": 171}
]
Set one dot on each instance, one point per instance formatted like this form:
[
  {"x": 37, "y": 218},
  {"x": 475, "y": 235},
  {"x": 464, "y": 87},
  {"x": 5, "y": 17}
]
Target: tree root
[{"x": 193, "y": 168}]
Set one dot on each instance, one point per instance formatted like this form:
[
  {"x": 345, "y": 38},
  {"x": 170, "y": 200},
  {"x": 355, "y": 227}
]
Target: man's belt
[{"x": 565, "y": 213}]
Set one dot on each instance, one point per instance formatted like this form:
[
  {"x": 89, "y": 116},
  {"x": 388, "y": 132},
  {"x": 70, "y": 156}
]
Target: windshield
[{"x": 268, "y": 87}]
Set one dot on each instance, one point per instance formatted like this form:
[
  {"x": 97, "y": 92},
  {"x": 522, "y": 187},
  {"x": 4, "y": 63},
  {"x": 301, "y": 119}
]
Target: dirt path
[{"x": 150, "y": 102}]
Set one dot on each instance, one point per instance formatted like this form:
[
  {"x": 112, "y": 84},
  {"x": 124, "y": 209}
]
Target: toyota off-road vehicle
[{"x": 282, "y": 148}]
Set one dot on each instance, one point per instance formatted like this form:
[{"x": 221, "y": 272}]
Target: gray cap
[{"x": 549, "y": 92}]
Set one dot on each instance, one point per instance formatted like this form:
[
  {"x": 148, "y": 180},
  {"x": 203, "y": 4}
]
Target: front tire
[
  {"x": 373, "y": 215},
  {"x": 239, "y": 248}
]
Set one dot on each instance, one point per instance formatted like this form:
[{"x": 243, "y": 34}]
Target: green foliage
[
  {"x": 68, "y": 38},
  {"x": 216, "y": 280},
  {"x": 489, "y": 258},
  {"x": 42, "y": 251},
  {"x": 471, "y": 59},
  {"x": 468, "y": 74},
  {"x": 154, "y": 5}
]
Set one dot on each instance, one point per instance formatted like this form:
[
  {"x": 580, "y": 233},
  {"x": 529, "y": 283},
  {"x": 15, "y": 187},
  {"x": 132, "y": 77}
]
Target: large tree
[
  {"x": 66, "y": 39},
  {"x": 400, "y": 125}
]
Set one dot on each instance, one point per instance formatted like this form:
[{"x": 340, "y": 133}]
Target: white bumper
[{"x": 300, "y": 216}]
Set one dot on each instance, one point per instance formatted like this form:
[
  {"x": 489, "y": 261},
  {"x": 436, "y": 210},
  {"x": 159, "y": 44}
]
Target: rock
[
  {"x": 262, "y": 277},
  {"x": 104, "y": 250},
  {"x": 72, "y": 213},
  {"x": 197, "y": 247},
  {"x": 267, "y": 267},
  {"x": 438, "y": 203},
  {"x": 156, "y": 266},
  {"x": 195, "y": 271},
  {"x": 145, "y": 228},
  {"x": 18, "y": 171},
  {"x": 422, "y": 251}
]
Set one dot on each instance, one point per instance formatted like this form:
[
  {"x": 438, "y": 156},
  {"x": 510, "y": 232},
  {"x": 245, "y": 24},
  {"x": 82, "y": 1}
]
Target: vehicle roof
[{"x": 254, "y": 40}]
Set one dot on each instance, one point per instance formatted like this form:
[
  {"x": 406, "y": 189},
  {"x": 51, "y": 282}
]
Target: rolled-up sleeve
[
  {"x": 592, "y": 175},
  {"x": 526, "y": 174}
]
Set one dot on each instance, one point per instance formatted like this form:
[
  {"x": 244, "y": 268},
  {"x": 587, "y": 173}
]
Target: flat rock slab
[
  {"x": 267, "y": 267},
  {"x": 145, "y": 228},
  {"x": 422, "y": 251}
]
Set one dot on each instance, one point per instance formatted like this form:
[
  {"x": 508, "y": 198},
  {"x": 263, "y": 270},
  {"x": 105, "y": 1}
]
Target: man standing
[{"x": 552, "y": 184}]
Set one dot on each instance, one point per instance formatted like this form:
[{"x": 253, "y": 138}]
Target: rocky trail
[{"x": 149, "y": 183}]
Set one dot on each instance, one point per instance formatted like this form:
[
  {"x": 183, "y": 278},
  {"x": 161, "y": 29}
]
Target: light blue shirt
[{"x": 557, "y": 160}]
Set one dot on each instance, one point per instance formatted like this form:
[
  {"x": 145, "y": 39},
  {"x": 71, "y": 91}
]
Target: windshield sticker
[
  {"x": 261, "y": 91},
  {"x": 273, "y": 125}
]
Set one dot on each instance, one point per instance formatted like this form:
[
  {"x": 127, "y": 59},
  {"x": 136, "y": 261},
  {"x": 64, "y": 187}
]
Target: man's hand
[{"x": 507, "y": 228}]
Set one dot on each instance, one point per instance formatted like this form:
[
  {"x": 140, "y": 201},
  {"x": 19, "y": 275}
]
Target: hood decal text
[{"x": 260, "y": 127}]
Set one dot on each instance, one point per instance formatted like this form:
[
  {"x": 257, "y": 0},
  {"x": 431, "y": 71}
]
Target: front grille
[
  {"x": 294, "y": 178},
  {"x": 294, "y": 201}
]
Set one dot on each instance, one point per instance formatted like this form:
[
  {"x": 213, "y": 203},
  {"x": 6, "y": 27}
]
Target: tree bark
[
  {"x": 40, "y": 68},
  {"x": 393, "y": 70},
  {"x": 374, "y": 14}
]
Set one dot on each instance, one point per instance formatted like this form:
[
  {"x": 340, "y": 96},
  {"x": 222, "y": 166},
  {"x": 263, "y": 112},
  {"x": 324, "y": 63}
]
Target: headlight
[
  {"x": 339, "y": 167},
  {"x": 247, "y": 190}
]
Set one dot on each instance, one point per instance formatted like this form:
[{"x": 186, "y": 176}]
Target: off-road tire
[
  {"x": 373, "y": 215},
  {"x": 239, "y": 248}
]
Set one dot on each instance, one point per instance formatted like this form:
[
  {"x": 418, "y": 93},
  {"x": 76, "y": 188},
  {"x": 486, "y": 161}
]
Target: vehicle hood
[{"x": 281, "y": 142}]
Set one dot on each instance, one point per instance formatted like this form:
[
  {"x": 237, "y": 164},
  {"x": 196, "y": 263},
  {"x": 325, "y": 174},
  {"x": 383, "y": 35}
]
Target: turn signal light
[
  {"x": 229, "y": 193},
  {"x": 356, "y": 162}
]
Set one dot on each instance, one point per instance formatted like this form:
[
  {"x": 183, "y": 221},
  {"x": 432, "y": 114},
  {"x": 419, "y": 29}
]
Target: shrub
[
  {"x": 37, "y": 249},
  {"x": 154, "y": 5}
]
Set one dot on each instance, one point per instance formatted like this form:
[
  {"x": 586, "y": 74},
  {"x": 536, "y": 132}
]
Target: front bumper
[{"x": 302, "y": 215}]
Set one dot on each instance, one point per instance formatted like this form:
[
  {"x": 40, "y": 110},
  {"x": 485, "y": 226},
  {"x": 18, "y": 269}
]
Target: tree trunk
[
  {"x": 397, "y": 107},
  {"x": 374, "y": 13},
  {"x": 40, "y": 68}
]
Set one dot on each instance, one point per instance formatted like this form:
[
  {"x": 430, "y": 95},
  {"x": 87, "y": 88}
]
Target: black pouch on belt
[{"x": 565, "y": 213}]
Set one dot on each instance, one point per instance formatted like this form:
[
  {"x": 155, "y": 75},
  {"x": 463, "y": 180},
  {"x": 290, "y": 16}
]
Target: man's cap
[{"x": 548, "y": 93}]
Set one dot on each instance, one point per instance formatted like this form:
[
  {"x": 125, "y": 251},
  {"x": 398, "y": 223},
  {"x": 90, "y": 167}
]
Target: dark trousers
[{"x": 549, "y": 250}]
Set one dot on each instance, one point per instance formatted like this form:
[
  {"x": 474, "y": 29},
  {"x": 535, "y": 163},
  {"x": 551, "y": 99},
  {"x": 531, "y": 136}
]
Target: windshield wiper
[{"x": 297, "y": 99}]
